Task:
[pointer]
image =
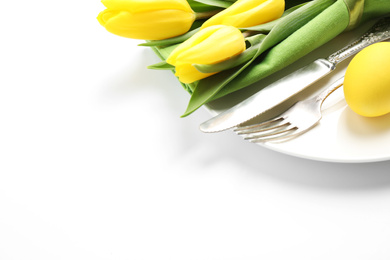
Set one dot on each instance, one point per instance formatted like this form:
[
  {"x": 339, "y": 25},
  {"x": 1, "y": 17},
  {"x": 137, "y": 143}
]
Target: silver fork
[{"x": 298, "y": 119}]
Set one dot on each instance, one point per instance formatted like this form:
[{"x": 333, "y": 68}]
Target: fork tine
[
  {"x": 279, "y": 138},
  {"x": 275, "y": 136},
  {"x": 258, "y": 130},
  {"x": 272, "y": 134},
  {"x": 289, "y": 135},
  {"x": 264, "y": 126},
  {"x": 272, "y": 120}
]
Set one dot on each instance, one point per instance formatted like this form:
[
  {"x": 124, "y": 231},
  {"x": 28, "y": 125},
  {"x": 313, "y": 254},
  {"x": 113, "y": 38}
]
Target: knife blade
[{"x": 292, "y": 84}]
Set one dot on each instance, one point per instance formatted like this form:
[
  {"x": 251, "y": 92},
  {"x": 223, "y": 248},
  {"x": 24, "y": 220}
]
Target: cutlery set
[
  {"x": 298, "y": 119},
  {"x": 303, "y": 115}
]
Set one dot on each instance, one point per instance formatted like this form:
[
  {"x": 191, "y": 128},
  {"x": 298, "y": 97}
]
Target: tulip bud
[
  {"x": 147, "y": 19},
  {"x": 211, "y": 45},
  {"x": 247, "y": 13}
]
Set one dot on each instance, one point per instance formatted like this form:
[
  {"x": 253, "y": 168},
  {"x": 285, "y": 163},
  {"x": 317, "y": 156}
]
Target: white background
[{"x": 96, "y": 163}]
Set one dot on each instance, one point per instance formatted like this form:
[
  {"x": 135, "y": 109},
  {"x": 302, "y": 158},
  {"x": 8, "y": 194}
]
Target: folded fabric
[{"x": 290, "y": 38}]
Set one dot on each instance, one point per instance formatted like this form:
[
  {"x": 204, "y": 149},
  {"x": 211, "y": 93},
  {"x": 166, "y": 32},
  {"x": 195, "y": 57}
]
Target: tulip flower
[
  {"x": 211, "y": 45},
  {"x": 147, "y": 19},
  {"x": 247, "y": 13}
]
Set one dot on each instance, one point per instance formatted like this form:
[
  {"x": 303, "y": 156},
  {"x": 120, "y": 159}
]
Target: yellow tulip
[
  {"x": 247, "y": 13},
  {"x": 208, "y": 46},
  {"x": 147, "y": 19}
]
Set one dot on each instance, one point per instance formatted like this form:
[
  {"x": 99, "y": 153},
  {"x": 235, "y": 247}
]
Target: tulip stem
[{"x": 205, "y": 15}]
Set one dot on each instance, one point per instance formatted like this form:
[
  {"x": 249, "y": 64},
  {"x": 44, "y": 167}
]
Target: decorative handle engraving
[{"x": 379, "y": 32}]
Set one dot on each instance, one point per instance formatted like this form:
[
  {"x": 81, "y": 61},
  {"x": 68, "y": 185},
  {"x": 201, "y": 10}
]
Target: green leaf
[
  {"x": 170, "y": 41},
  {"x": 200, "y": 7},
  {"x": 161, "y": 66},
  {"x": 208, "y": 88},
  {"x": 217, "y": 3},
  {"x": 292, "y": 3}
]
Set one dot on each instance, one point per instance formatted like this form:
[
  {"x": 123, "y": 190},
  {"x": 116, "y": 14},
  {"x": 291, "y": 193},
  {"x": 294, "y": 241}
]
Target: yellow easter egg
[{"x": 367, "y": 81}]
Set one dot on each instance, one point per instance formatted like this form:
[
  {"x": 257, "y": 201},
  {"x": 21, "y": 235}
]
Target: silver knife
[{"x": 281, "y": 90}]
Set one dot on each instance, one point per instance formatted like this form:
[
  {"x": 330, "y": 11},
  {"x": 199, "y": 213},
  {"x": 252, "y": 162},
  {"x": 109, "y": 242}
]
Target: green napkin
[{"x": 290, "y": 38}]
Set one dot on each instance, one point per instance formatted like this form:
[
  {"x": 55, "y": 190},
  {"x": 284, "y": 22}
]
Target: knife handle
[{"x": 380, "y": 31}]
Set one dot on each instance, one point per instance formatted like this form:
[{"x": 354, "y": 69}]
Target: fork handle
[{"x": 323, "y": 95}]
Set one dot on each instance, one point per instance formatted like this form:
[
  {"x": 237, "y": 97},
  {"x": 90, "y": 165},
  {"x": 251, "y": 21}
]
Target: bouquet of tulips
[{"x": 217, "y": 47}]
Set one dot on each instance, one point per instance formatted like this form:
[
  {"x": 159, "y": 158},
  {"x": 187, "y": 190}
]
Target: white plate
[{"x": 341, "y": 135}]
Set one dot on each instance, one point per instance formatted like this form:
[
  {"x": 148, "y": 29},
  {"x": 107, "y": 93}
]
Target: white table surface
[{"x": 96, "y": 163}]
